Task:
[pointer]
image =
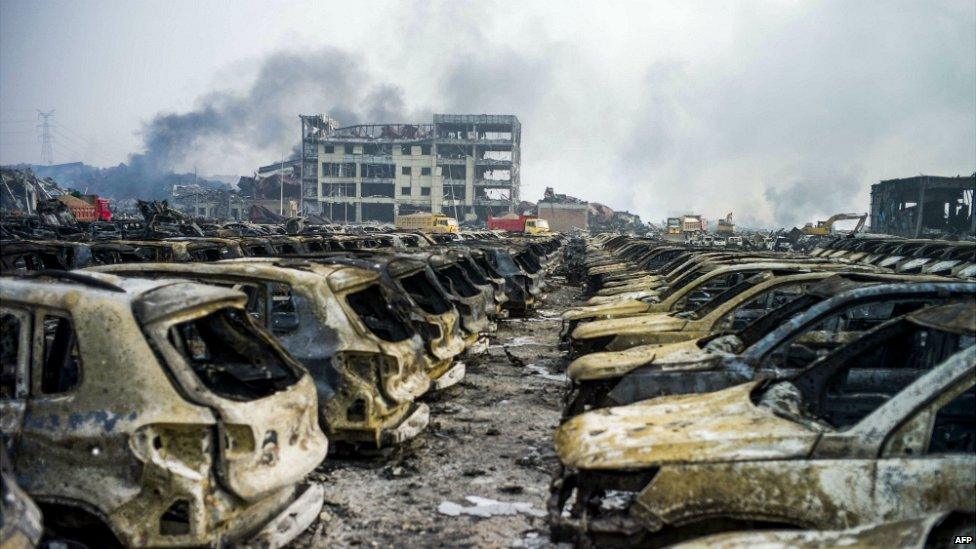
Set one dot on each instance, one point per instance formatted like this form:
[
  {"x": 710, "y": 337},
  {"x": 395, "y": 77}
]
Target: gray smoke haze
[
  {"x": 783, "y": 113},
  {"x": 801, "y": 114},
  {"x": 261, "y": 123}
]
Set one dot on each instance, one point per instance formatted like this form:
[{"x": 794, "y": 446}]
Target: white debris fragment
[
  {"x": 480, "y": 347},
  {"x": 485, "y": 507},
  {"x": 521, "y": 341},
  {"x": 542, "y": 372}
]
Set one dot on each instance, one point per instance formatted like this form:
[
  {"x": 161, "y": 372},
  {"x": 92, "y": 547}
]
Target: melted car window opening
[
  {"x": 488, "y": 268},
  {"x": 372, "y": 308},
  {"x": 10, "y": 330},
  {"x": 757, "y": 329},
  {"x": 473, "y": 272},
  {"x": 453, "y": 276},
  {"x": 61, "y": 367},
  {"x": 230, "y": 357},
  {"x": 954, "y": 430},
  {"x": 890, "y": 360},
  {"x": 425, "y": 294},
  {"x": 284, "y": 310},
  {"x": 831, "y": 332},
  {"x": 770, "y": 300}
]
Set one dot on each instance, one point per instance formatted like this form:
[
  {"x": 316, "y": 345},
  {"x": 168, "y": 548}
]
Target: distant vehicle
[
  {"x": 87, "y": 207},
  {"x": 528, "y": 224},
  {"x": 428, "y": 222},
  {"x": 692, "y": 224},
  {"x": 673, "y": 230},
  {"x": 101, "y": 206},
  {"x": 725, "y": 226}
]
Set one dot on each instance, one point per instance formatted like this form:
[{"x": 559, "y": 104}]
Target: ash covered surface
[{"x": 489, "y": 438}]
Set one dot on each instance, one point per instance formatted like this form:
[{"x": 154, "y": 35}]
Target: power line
[
  {"x": 58, "y": 132},
  {"x": 91, "y": 141}
]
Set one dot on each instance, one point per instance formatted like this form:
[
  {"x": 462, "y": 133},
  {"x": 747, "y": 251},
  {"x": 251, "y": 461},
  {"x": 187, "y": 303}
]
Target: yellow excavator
[{"x": 824, "y": 228}]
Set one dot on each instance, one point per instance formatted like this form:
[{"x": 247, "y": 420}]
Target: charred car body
[
  {"x": 206, "y": 441},
  {"x": 860, "y": 436},
  {"x": 363, "y": 358}
]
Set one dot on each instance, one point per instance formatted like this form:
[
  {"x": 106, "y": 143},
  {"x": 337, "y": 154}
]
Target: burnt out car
[
  {"x": 881, "y": 429},
  {"x": 39, "y": 255},
  {"x": 622, "y": 325},
  {"x": 472, "y": 303},
  {"x": 519, "y": 289},
  {"x": 477, "y": 261},
  {"x": 155, "y": 412},
  {"x": 184, "y": 249},
  {"x": 782, "y": 341},
  {"x": 366, "y": 384},
  {"x": 420, "y": 297},
  {"x": 492, "y": 287}
]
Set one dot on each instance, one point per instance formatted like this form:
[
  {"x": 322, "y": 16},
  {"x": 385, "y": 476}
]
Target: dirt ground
[{"x": 491, "y": 437}]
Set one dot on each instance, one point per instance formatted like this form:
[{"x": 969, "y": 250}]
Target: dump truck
[
  {"x": 528, "y": 224},
  {"x": 427, "y": 222},
  {"x": 87, "y": 207}
]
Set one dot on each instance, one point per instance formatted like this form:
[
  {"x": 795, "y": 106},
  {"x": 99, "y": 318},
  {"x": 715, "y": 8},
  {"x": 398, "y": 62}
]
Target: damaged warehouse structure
[
  {"x": 463, "y": 165},
  {"x": 924, "y": 207}
]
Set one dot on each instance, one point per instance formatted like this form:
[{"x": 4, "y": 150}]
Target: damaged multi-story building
[
  {"x": 924, "y": 206},
  {"x": 466, "y": 166}
]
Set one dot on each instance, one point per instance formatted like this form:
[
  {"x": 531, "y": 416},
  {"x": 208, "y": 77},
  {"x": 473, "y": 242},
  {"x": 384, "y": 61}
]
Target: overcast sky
[{"x": 779, "y": 111}]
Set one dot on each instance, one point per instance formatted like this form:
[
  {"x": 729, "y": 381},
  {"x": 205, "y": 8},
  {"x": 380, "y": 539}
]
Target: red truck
[
  {"x": 89, "y": 207},
  {"x": 512, "y": 223},
  {"x": 101, "y": 207}
]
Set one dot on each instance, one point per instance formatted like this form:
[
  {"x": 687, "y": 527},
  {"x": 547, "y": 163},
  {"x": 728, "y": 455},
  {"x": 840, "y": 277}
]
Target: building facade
[{"x": 465, "y": 166}]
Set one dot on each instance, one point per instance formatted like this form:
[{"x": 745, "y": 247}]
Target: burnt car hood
[
  {"x": 602, "y": 299},
  {"x": 685, "y": 355},
  {"x": 631, "y": 287},
  {"x": 630, "y": 325},
  {"x": 623, "y": 307},
  {"x": 707, "y": 428}
]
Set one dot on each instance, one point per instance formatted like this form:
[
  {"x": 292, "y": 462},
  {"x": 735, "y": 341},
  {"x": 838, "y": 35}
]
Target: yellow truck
[{"x": 427, "y": 222}]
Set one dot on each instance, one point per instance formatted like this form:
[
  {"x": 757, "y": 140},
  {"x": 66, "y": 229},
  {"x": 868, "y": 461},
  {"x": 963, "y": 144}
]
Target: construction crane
[{"x": 824, "y": 228}]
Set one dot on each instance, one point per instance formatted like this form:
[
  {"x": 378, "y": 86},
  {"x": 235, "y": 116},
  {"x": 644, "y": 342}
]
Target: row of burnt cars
[
  {"x": 181, "y": 399},
  {"x": 764, "y": 399}
]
